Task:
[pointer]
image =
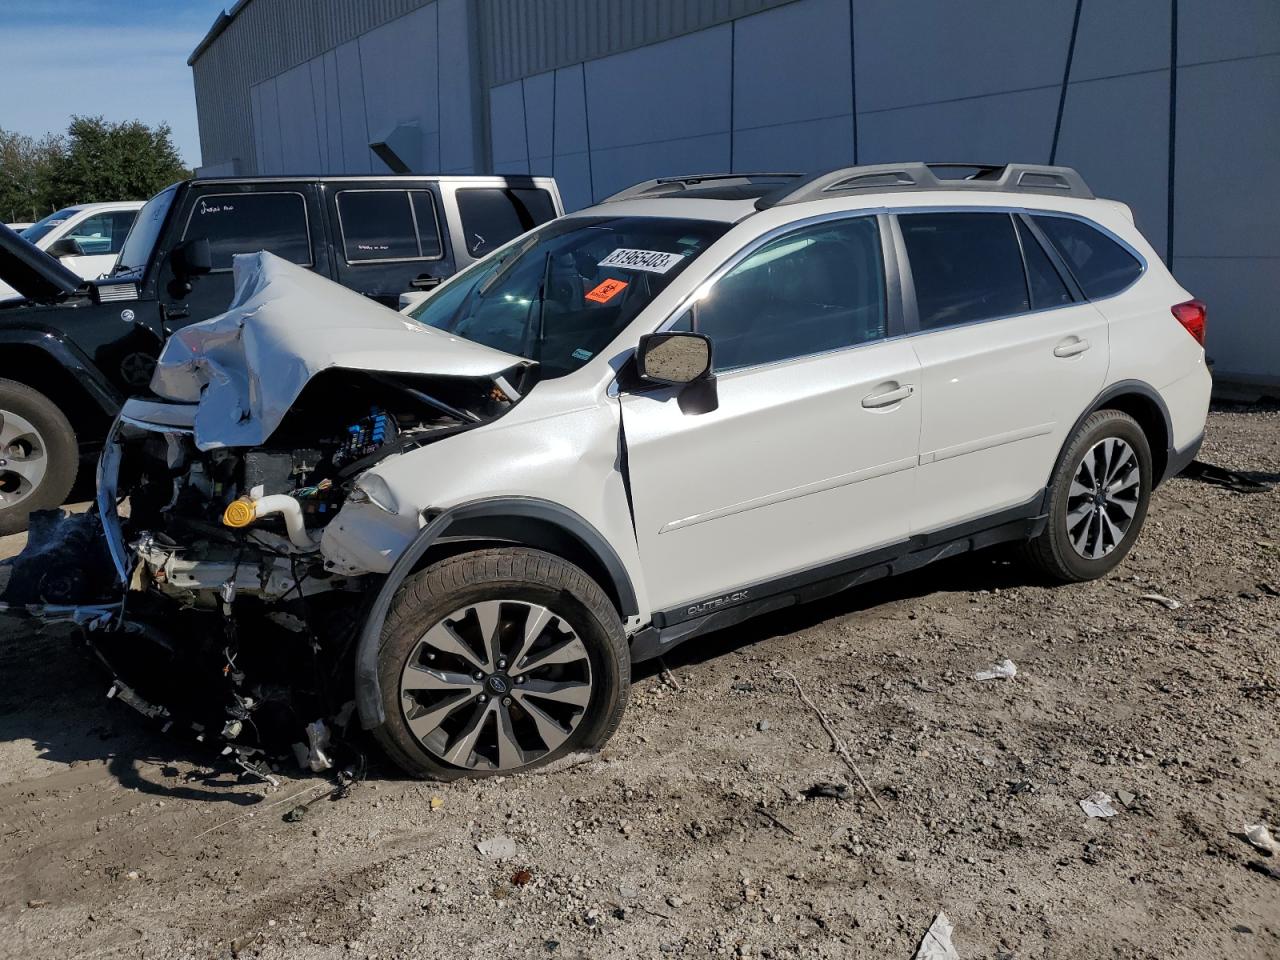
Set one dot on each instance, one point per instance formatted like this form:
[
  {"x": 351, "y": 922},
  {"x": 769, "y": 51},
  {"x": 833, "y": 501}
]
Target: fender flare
[
  {"x": 71, "y": 359},
  {"x": 368, "y": 691},
  {"x": 1119, "y": 388}
]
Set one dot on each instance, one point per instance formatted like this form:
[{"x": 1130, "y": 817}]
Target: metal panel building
[{"x": 1168, "y": 105}]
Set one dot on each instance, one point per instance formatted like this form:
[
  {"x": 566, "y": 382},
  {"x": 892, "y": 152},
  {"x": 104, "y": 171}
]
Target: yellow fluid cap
[{"x": 239, "y": 513}]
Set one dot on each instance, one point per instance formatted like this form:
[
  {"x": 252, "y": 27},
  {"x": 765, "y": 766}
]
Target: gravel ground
[{"x": 691, "y": 835}]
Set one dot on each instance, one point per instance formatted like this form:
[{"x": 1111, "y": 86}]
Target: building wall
[
  {"x": 1167, "y": 105},
  {"x": 414, "y": 72}
]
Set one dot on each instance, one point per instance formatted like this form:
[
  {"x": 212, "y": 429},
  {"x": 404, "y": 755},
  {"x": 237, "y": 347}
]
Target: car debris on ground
[
  {"x": 1004, "y": 670},
  {"x": 834, "y": 791},
  {"x": 1098, "y": 805},
  {"x": 936, "y": 944},
  {"x": 1260, "y": 837}
]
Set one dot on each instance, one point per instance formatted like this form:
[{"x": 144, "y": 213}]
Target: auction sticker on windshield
[
  {"x": 650, "y": 261},
  {"x": 607, "y": 290}
]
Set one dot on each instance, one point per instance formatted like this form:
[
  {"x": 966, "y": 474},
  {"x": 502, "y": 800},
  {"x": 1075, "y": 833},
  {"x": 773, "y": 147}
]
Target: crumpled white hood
[{"x": 247, "y": 366}]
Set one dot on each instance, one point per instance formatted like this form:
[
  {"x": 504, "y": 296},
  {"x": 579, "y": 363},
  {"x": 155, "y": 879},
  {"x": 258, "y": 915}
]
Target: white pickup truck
[{"x": 87, "y": 238}]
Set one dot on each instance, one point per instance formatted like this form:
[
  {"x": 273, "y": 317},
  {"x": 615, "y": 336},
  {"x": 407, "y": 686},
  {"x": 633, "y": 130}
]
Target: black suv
[{"x": 72, "y": 351}]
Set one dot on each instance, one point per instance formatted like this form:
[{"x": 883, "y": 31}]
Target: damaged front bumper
[
  {"x": 173, "y": 419},
  {"x": 205, "y": 637}
]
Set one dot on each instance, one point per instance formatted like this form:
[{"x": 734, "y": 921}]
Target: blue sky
[{"x": 123, "y": 59}]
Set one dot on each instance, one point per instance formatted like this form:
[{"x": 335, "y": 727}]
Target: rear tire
[
  {"x": 1098, "y": 500},
  {"x": 498, "y": 662},
  {"x": 39, "y": 455}
]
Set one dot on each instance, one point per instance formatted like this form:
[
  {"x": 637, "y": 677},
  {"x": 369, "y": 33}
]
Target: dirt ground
[{"x": 691, "y": 836}]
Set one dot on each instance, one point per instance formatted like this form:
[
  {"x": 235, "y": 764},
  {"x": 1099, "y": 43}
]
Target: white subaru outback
[{"x": 699, "y": 400}]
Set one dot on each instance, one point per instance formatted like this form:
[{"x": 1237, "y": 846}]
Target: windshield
[
  {"x": 39, "y": 229},
  {"x": 561, "y": 295},
  {"x": 142, "y": 235}
]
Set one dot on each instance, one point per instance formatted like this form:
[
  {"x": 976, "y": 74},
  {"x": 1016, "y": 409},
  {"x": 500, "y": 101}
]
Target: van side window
[
  {"x": 382, "y": 225},
  {"x": 965, "y": 267},
  {"x": 248, "y": 222},
  {"x": 817, "y": 289},
  {"x": 492, "y": 216},
  {"x": 1046, "y": 285},
  {"x": 1100, "y": 265}
]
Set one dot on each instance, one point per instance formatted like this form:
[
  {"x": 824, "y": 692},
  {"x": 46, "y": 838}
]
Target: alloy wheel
[
  {"x": 496, "y": 685},
  {"x": 1103, "y": 498},
  {"x": 23, "y": 458}
]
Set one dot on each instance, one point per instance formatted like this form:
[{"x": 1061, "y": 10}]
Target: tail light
[{"x": 1191, "y": 316}]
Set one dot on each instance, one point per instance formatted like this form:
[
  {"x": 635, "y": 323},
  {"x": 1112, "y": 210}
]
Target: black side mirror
[
  {"x": 65, "y": 247},
  {"x": 189, "y": 260},
  {"x": 673, "y": 359},
  {"x": 192, "y": 259}
]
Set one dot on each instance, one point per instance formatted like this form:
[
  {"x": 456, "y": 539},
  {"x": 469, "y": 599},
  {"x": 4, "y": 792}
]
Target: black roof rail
[
  {"x": 666, "y": 186},
  {"x": 895, "y": 177}
]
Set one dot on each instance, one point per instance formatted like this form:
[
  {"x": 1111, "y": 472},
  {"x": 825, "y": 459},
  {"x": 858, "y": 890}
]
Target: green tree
[
  {"x": 25, "y": 164},
  {"x": 112, "y": 161}
]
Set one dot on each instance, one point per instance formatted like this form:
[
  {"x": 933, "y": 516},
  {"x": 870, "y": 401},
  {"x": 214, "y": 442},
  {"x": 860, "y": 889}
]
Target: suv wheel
[
  {"x": 39, "y": 455},
  {"x": 499, "y": 661},
  {"x": 1097, "y": 499}
]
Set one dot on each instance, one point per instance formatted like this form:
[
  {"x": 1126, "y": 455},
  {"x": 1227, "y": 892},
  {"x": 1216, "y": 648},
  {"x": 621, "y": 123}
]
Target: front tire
[
  {"x": 39, "y": 455},
  {"x": 1097, "y": 499},
  {"x": 497, "y": 662}
]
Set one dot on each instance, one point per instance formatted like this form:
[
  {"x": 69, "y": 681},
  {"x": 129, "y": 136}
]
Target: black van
[{"x": 73, "y": 350}]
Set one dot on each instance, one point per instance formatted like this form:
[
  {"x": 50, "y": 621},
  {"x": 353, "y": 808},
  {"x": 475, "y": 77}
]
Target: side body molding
[{"x": 495, "y": 511}]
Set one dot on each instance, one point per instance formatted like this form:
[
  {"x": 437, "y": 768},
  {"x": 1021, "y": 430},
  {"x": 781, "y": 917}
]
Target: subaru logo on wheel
[{"x": 499, "y": 685}]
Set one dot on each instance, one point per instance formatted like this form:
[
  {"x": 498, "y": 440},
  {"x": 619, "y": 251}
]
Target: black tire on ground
[
  {"x": 1052, "y": 551},
  {"x": 515, "y": 574},
  {"x": 61, "y": 450}
]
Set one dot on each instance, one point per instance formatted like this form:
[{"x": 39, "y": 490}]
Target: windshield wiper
[{"x": 539, "y": 304}]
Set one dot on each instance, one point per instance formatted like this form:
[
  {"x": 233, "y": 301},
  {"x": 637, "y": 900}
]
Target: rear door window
[
  {"x": 383, "y": 225},
  {"x": 1100, "y": 265},
  {"x": 492, "y": 216},
  {"x": 965, "y": 267},
  {"x": 248, "y": 222},
  {"x": 1045, "y": 283}
]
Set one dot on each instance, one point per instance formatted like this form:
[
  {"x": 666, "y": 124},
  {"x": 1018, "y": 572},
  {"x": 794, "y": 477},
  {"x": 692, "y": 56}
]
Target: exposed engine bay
[
  {"x": 231, "y": 625},
  {"x": 248, "y": 522}
]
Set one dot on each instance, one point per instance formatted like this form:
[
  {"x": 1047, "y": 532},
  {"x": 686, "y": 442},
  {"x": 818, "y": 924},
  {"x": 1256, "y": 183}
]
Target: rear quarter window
[
  {"x": 1100, "y": 265},
  {"x": 492, "y": 216}
]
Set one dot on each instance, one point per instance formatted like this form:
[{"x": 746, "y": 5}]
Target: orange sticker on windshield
[{"x": 607, "y": 291}]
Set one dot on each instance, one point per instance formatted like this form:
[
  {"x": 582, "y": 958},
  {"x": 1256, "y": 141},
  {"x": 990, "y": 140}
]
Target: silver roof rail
[
  {"x": 666, "y": 186},
  {"x": 894, "y": 177}
]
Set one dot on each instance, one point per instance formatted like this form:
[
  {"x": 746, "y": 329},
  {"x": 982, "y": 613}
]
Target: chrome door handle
[
  {"x": 873, "y": 400},
  {"x": 1071, "y": 348}
]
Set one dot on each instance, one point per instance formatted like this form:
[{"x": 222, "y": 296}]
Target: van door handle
[
  {"x": 425, "y": 283},
  {"x": 873, "y": 400},
  {"x": 1071, "y": 348}
]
